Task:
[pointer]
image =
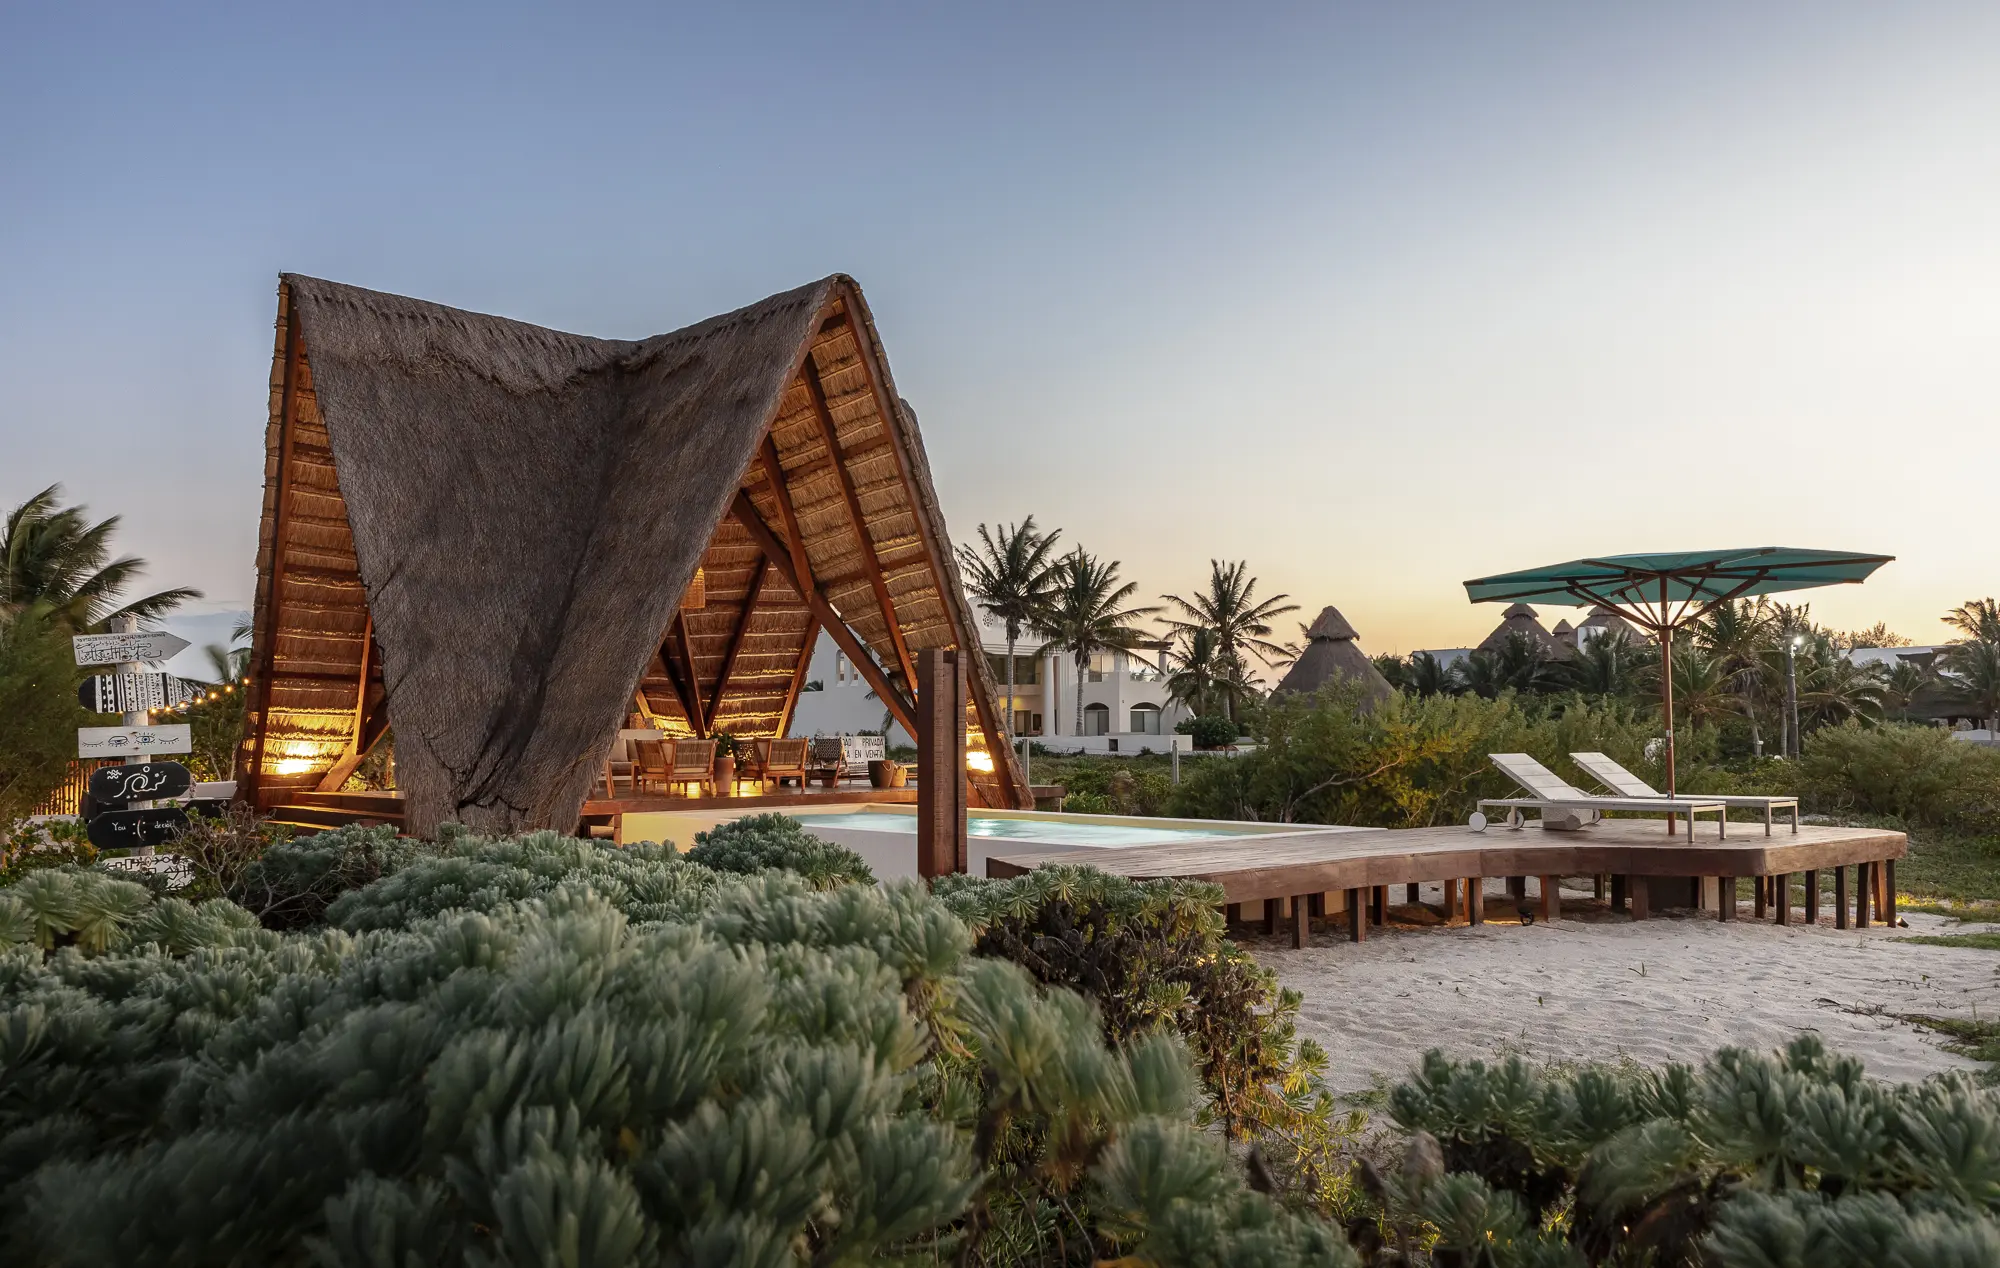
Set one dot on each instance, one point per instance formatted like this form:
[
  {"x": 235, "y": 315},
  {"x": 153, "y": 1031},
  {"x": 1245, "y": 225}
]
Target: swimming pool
[{"x": 1044, "y": 831}]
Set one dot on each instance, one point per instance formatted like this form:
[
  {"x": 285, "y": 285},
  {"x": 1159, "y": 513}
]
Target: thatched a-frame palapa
[
  {"x": 501, "y": 539},
  {"x": 1331, "y": 653},
  {"x": 1519, "y": 618}
]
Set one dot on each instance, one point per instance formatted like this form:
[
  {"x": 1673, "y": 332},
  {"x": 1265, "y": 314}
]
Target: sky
[{"x": 1377, "y": 298}]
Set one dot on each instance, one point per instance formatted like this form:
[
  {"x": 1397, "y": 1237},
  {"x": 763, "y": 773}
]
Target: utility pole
[{"x": 1792, "y": 696}]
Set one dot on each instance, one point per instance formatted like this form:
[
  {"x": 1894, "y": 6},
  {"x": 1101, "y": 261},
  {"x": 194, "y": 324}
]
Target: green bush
[
  {"x": 1210, "y": 730},
  {"x": 1918, "y": 774},
  {"x": 542, "y": 1050},
  {"x": 289, "y": 882},
  {"x": 1752, "y": 1161},
  {"x": 1154, "y": 958},
  {"x": 759, "y": 843},
  {"x": 39, "y": 714}
]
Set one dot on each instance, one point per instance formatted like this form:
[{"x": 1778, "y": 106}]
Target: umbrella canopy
[{"x": 1660, "y": 593}]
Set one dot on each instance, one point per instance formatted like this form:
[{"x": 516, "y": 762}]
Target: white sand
[{"x": 1669, "y": 988}]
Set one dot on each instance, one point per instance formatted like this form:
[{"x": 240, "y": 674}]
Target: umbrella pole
[{"x": 1667, "y": 707}]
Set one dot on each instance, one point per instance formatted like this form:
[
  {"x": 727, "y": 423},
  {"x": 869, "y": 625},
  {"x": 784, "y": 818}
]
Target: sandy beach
[{"x": 1671, "y": 988}]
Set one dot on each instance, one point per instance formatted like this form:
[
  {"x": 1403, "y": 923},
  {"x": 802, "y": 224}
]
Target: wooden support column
[
  {"x": 697, "y": 717},
  {"x": 1840, "y": 898},
  {"x": 1812, "y": 897},
  {"x": 1378, "y": 905},
  {"x": 1232, "y": 914},
  {"x": 798, "y": 684},
  {"x": 1301, "y": 922},
  {"x": 1637, "y": 893},
  {"x": 1412, "y": 893},
  {"x": 1475, "y": 900},
  {"x": 1450, "y": 900},
  {"x": 1781, "y": 896},
  {"x": 1517, "y": 888},
  {"x": 355, "y": 752},
  {"x": 1597, "y": 881},
  {"x": 1725, "y": 898},
  {"x": 1357, "y": 918},
  {"x": 1618, "y": 890},
  {"x": 1864, "y": 880},
  {"x": 1888, "y": 904},
  {"x": 940, "y": 762},
  {"x": 1272, "y": 915},
  {"x": 1760, "y": 889},
  {"x": 1551, "y": 898}
]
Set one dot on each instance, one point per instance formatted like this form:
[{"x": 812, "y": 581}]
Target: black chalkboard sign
[
  {"x": 126, "y": 829},
  {"x": 151, "y": 781}
]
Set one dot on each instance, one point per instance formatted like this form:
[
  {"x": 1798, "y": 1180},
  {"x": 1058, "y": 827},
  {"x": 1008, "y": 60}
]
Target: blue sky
[{"x": 1378, "y": 298}]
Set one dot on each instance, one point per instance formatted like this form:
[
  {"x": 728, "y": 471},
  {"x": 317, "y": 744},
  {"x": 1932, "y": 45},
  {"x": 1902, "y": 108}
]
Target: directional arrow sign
[
  {"x": 112, "y": 649},
  {"x": 132, "y": 741},
  {"x": 154, "y": 781},
  {"x": 129, "y": 693},
  {"x": 125, "y": 829}
]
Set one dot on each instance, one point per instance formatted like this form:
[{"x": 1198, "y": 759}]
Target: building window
[
  {"x": 1096, "y": 719},
  {"x": 1100, "y": 665},
  {"x": 1024, "y": 669},
  {"x": 1027, "y": 723},
  {"x": 1146, "y": 719}
]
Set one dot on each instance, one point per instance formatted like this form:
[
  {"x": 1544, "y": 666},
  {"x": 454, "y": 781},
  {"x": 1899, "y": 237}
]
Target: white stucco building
[{"x": 1125, "y": 704}]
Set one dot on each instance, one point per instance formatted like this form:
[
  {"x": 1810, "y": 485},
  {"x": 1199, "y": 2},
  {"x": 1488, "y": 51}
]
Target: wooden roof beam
[
  {"x": 736, "y": 638},
  {"x": 252, "y": 778},
  {"x": 352, "y": 758},
  {"x": 893, "y": 698},
  {"x": 869, "y": 562},
  {"x": 692, "y": 700},
  {"x": 795, "y": 541}
]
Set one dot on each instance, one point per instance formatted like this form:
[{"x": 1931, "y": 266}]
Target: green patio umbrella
[{"x": 1661, "y": 593}]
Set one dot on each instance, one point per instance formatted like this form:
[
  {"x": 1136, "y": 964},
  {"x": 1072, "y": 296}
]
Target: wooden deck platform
[{"x": 1351, "y": 871}]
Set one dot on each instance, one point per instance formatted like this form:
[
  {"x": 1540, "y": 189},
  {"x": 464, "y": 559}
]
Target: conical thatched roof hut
[
  {"x": 1603, "y": 620},
  {"x": 1331, "y": 653},
  {"x": 501, "y": 539},
  {"x": 1520, "y": 619}
]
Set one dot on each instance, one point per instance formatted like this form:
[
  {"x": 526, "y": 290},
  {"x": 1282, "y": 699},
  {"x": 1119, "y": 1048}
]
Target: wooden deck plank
[{"x": 1253, "y": 868}]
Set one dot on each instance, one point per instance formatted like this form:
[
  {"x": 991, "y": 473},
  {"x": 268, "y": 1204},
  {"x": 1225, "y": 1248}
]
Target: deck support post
[
  {"x": 1517, "y": 888},
  {"x": 1812, "y": 896},
  {"x": 1301, "y": 922},
  {"x": 1887, "y": 867},
  {"x": 1781, "y": 896},
  {"x": 1232, "y": 914},
  {"x": 1840, "y": 898},
  {"x": 1357, "y": 917},
  {"x": 1475, "y": 900},
  {"x": 1450, "y": 900},
  {"x": 1641, "y": 901},
  {"x": 1412, "y": 893},
  {"x": 941, "y": 801},
  {"x": 1271, "y": 915},
  {"x": 1551, "y": 898},
  {"x": 1378, "y": 908},
  {"x": 1597, "y": 886},
  {"x": 1725, "y": 898},
  {"x": 1760, "y": 888},
  {"x": 1864, "y": 879},
  {"x": 1620, "y": 886}
]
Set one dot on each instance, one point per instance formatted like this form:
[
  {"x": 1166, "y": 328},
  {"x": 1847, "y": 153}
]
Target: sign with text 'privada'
[
  {"x": 130, "y": 693},
  {"x": 114, "y": 649},
  {"x": 133, "y": 741}
]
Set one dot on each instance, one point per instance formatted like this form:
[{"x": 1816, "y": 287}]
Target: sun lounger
[
  {"x": 1551, "y": 792},
  {"x": 1626, "y": 784}
]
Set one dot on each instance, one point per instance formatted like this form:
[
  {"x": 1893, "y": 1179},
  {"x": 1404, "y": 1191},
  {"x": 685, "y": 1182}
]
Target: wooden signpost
[
  {"x": 139, "y": 826},
  {"x": 137, "y": 693},
  {"x": 127, "y": 645}
]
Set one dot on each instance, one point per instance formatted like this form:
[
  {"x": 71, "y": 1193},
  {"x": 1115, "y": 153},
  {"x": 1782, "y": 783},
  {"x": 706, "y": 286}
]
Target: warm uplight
[
  {"x": 979, "y": 761},
  {"x": 293, "y": 766}
]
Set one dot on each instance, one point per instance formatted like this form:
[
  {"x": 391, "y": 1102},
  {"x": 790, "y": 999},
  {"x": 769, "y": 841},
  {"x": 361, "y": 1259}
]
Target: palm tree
[
  {"x": 1900, "y": 687},
  {"x": 1086, "y": 615},
  {"x": 1608, "y": 666},
  {"x": 52, "y": 554},
  {"x": 1012, "y": 576},
  {"x": 1975, "y": 677},
  {"x": 1242, "y": 624},
  {"x": 1738, "y": 634},
  {"x": 1702, "y": 687},
  {"x": 1197, "y": 672},
  {"x": 1978, "y": 619},
  {"x": 1428, "y": 676},
  {"x": 1833, "y": 688}
]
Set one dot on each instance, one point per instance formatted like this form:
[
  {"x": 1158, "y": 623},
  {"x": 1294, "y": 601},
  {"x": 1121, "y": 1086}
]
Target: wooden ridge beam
[
  {"x": 736, "y": 637},
  {"x": 897, "y": 703},
  {"x": 693, "y": 697},
  {"x": 870, "y": 563}
]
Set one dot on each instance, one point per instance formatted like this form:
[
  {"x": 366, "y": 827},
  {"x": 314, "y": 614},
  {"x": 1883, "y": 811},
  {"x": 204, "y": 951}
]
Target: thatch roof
[
  {"x": 483, "y": 533},
  {"x": 1331, "y": 653},
  {"x": 1604, "y": 620},
  {"x": 1519, "y": 618}
]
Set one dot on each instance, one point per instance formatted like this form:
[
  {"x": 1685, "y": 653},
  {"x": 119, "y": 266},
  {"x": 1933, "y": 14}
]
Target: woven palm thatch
[
  {"x": 1331, "y": 653},
  {"x": 1519, "y": 618},
  {"x": 485, "y": 534}
]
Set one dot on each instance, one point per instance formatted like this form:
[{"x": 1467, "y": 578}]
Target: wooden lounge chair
[
  {"x": 1624, "y": 783},
  {"x": 693, "y": 763},
  {"x": 780, "y": 760},
  {"x": 618, "y": 765},
  {"x": 829, "y": 759},
  {"x": 652, "y": 763},
  {"x": 1550, "y": 792}
]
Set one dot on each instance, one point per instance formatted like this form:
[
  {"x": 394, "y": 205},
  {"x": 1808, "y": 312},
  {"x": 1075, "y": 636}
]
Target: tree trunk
[
  {"x": 1009, "y": 727},
  {"x": 1079, "y": 694}
]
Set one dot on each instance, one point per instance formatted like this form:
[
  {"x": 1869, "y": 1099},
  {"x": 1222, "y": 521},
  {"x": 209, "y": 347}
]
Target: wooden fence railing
[{"x": 68, "y": 796}]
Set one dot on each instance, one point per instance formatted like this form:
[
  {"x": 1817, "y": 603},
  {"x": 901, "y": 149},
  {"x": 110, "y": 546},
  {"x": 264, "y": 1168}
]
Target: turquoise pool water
[{"x": 1042, "y": 831}]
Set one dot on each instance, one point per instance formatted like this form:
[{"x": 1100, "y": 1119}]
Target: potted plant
[{"x": 725, "y": 763}]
